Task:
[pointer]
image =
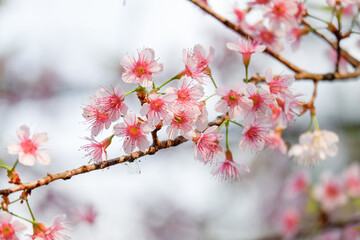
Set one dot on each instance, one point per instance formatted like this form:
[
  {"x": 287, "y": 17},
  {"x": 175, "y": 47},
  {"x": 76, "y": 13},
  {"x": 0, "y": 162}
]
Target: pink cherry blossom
[
  {"x": 29, "y": 149},
  {"x": 279, "y": 85},
  {"x": 201, "y": 122},
  {"x": 133, "y": 133},
  {"x": 183, "y": 121},
  {"x": 284, "y": 111},
  {"x": 351, "y": 232},
  {"x": 42, "y": 232},
  {"x": 295, "y": 35},
  {"x": 332, "y": 3},
  {"x": 141, "y": 70},
  {"x": 233, "y": 100},
  {"x": 112, "y": 102},
  {"x": 278, "y": 118},
  {"x": 261, "y": 100},
  {"x": 274, "y": 141},
  {"x": 290, "y": 222},
  {"x": 314, "y": 146},
  {"x": 246, "y": 47},
  {"x": 259, "y": 2},
  {"x": 207, "y": 144},
  {"x": 349, "y": 10},
  {"x": 228, "y": 169},
  {"x": 269, "y": 37},
  {"x": 157, "y": 108},
  {"x": 88, "y": 215},
  {"x": 329, "y": 192},
  {"x": 297, "y": 184},
  {"x": 254, "y": 136},
  {"x": 96, "y": 116},
  {"x": 105, "y": 107},
  {"x": 302, "y": 11},
  {"x": 240, "y": 16},
  {"x": 352, "y": 180},
  {"x": 97, "y": 150},
  {"x": 9, "y": 230},
  {"x": 197, "y": 63},
  {"x": 204, "y": 2},
  {"x": 281, "y": 12},
  {"x": 187, "y": 95}
]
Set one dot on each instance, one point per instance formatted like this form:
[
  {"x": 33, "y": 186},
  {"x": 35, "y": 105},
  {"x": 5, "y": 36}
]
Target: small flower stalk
[{"x": 246, "y": 47}]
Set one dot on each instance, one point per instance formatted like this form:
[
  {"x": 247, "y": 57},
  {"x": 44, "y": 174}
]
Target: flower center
[
  {"x": 267, "y": 37},
  {"x": 115, "y": 102},
  {"x": 256, "y": 102},
  {"x": 233, "y": 96},
  {"x": 332, "y": 191},
  {"x": 140, "y": 70},
  {"x": 28, "y": 146},
  {"x": 133, "y": 131},
  {"x": 178, "y": 119},
  {"x": 279, "y": 9},
  {"x": 156, "y": 104},
  {"x": 7, "y": 231},
  {"x": 280, "y": 103},
  {"x": 183, "y": 95}
]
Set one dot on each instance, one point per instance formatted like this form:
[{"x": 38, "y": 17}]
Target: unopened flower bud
[
  {"x": 5, "y": 202},
  {"x": 14, "y": 177}
]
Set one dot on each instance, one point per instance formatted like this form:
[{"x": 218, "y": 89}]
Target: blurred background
[{"x": 54, "y": 54}]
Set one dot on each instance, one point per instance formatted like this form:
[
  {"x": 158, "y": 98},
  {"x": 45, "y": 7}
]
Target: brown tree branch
[
  {"x": 310, "y": 104},
  {"x": 96, "y": 166},
  {"x": 237, "y": 29},
  {"x": 353, "y": 61},
  {"x": 299, "y": 73},
  {"x": 316, "y": 77}
]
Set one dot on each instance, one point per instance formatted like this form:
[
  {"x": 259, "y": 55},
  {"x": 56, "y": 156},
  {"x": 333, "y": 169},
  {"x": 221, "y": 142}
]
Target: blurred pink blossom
[{"x": 29, "y": 148}]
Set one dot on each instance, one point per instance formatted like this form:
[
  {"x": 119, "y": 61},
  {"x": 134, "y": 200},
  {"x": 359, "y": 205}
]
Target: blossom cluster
[
  {"x": 325, "y": 200},
  {"x": 179, "y": 108},
  {"x": 280, "y": 21},
  {"x": 264, "y": 110}
]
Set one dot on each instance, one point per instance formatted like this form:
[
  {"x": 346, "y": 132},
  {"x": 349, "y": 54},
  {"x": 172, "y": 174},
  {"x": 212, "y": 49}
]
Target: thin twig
[
  {"x": 315, "y": 77},
  {"x": 310, "y": 104},
  {"x": 353, "y": 61},
  {"x": 237, "y": 29},
  {"x": 299, "y": 73}
]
